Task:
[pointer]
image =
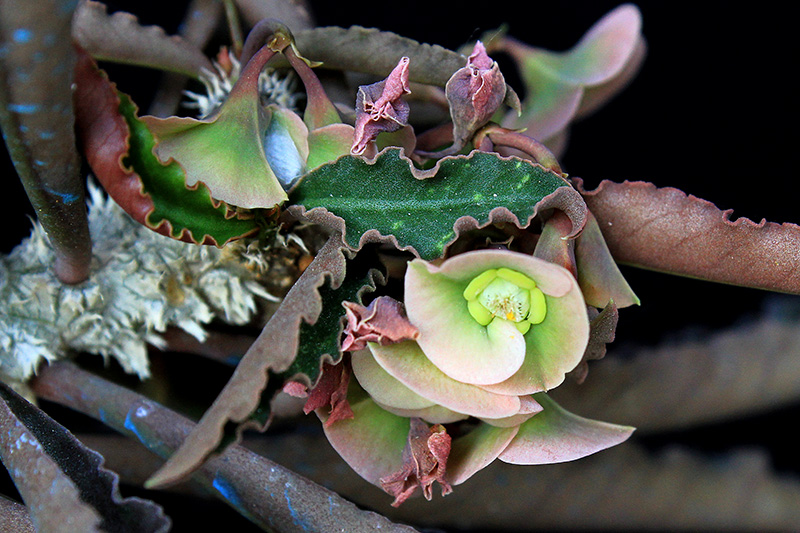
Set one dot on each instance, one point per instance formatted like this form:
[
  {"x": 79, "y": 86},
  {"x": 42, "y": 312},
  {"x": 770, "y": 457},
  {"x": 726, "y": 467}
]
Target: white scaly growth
[
  {"x": 141, "y": 282},
  {"x": 274, "y": 87}
]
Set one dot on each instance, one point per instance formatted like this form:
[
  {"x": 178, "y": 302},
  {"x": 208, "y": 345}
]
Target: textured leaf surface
[
  {"x": 667, "y": 230},
  {"x": 376, "y": 52},
  {"x": 322, "y": 340},
  {"x": 120, "y": 38},
  {"x": 62, "y": 482},
  {"x": 273, "y": 497},
  {"x": 425, "y": 211}
]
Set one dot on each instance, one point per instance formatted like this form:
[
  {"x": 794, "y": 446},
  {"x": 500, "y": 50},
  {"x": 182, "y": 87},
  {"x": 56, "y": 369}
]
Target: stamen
[{"x": 505, "y": 294}]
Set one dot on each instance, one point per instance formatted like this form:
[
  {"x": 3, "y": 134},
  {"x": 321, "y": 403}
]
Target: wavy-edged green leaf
[
  {"x": 322, "y": 340},
  {"x": 190, "y": 209},
  {"x": 387, "y": 199},
  {"x": 273, "y": 351},
  {"x": 63, "y": 483},
  {"x": 119, "y": 149}
]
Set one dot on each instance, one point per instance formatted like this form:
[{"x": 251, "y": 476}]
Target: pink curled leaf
[{"x": 383, "y": 321}]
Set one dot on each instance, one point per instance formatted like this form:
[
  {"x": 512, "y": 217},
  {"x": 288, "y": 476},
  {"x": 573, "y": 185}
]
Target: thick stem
[
  {"x": 273, "y": 497},
  {"x": 37, "y": 119}
]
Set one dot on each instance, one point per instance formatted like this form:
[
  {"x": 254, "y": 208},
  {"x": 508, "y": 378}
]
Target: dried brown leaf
[
  {"x": 667, "y": 230},
  {"x": 274, "y": 350},
  {"x": 121, "y": 39}
]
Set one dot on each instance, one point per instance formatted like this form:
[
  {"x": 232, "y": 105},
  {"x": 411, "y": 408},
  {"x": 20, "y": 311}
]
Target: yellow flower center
[{"x": 505, "y": 294}]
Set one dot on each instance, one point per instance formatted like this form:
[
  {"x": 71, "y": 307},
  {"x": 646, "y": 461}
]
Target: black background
[{"x": 712, "y": 112}]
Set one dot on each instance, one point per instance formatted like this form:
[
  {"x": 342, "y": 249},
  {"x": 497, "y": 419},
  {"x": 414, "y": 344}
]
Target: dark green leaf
[
  {"x": 389, "y": 197},
  {"x": 60, "y": 479},
  {"x": 323, "y": 338}
]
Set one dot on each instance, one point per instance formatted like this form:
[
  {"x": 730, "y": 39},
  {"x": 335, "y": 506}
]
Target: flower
[
  {"x": 494, "y": 330},
  {"x": 474, "y": 93}
]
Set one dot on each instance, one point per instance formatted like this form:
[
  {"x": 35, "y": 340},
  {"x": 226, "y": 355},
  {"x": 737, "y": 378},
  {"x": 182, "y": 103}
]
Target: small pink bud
[{"x": 474, "y": 92}]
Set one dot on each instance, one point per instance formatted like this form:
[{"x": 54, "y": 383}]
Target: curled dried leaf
[{"x": 667, "y": 230}]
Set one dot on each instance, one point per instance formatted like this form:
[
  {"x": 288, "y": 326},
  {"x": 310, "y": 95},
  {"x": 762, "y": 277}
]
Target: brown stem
[
  {"x": 37, "y": 119},
  {"x": 261, "y": 490}
]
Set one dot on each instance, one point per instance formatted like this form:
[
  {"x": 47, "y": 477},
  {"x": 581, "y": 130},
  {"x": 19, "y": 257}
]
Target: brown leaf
[
  {"x": 63, "y": 483},
  {"x": 120, "y": 38},
  {"x": 274, "y": 350},
  {"x": 730, "y": 373},
  {"x": 624, "y": 488},
  {"x": 602, "y": 330},
  {"x": 104, "y": 136},
  {"x": 664, "y": 229},
  {"x": 295, "y": 13}
]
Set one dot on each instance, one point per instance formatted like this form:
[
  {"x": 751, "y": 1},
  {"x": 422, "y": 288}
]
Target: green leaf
[
  {"x": 190, "y": 210},
  {"x": 323, "y": 338},
  {"x": 425, "y": 211}
]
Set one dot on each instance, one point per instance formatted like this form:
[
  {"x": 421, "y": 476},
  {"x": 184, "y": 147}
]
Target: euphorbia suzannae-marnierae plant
[{"x": 429, "y": 275}]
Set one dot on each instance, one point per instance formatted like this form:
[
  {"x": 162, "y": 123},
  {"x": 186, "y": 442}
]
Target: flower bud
[{"x": 474, "y": 92}]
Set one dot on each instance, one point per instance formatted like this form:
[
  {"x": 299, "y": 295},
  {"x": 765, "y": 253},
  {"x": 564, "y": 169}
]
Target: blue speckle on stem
[
  {"x": 296, "y": 517},
  {"x": 67, "y": 198},
  {"x": 21, "y": 36},
  {"x": 227, "y": 491},
  {"x": 23, "y": 109},
  {"x": 130, "y": 426}
]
